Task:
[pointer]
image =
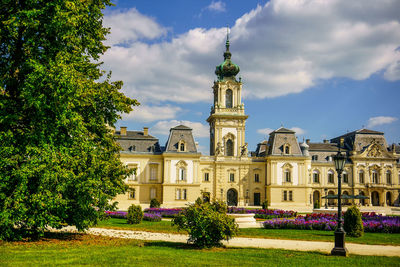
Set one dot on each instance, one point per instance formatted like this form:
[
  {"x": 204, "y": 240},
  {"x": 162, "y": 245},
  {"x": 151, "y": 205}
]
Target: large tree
[{"x": 59, "y": 162}]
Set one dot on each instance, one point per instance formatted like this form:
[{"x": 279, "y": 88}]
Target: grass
[
  {"x": 80, "y": 249},
  {"x": 313, "y": 235}
]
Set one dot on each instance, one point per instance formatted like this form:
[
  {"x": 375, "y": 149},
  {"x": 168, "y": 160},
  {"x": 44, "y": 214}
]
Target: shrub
[
  {"x": 198, "y": 201},
  {"x": 154, "y": 203},
  {"x": 265, "y": 205},
  {"x": 206, "y": 224},
  {"x": 135, "y": 214},
  {"x": 220, "y": 206},
  {"x": 152, "y": 217},
  {"x": 353, "y": 224}
]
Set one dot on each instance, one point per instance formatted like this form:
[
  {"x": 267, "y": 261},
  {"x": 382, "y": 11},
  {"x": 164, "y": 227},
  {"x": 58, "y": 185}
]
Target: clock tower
[{"x": 227, "y": 118}]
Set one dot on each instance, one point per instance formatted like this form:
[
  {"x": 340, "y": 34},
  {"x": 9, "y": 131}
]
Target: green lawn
[
  {"x": 79, "y": 249},
  {"x": 166, "y": 227}
]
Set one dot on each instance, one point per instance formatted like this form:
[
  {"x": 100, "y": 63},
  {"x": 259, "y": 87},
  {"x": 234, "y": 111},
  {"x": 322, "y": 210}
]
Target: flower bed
[
  {"x": 264, "y": 214},
  {"x": 165, "y": 213},
  {"x": 372, "y": 222},
  {"x": 117, "y": 214},
  {"x": 152, "y": 217}
]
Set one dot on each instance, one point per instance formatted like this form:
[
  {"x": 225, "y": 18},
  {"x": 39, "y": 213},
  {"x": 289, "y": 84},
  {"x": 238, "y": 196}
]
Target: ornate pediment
[{"x": 375, "y": 150}]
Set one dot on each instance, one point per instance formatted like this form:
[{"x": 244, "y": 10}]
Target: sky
[{"x": 321, "y": 68}]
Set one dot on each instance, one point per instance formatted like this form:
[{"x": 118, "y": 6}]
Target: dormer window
[
  {"x": 181, "y": 146},
  {"x": 286, "y": 149}
]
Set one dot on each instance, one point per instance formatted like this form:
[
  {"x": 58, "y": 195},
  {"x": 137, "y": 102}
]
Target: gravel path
[{"x": 325, "y": 247}]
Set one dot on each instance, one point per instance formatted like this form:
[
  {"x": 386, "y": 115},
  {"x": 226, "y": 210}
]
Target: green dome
[{"x": 227, "y": 68}]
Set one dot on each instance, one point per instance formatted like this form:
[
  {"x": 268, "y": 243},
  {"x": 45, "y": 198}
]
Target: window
[
  {"x": 153, "y": 193},
  {"x": 153, "y": 172},
  {"x": 229, "y": 147},
  {"x": 316, "y": 176},
  {"x": 184, "y": 194},
  {"x": 345, "y": 177},
  {"x": 314, "y": 157},
  {"x": 182, "y": 174},
  {"x": 131, "y": 193},
  {"x": 287, "y": 176},
  {"x": 331, "y": 178},
  {"x": 231, "y": 177},
  {"x": 182, "y": 147},
  {"x": 228, "y": 98},
  {"x": 256, "y": 178},
  {"x": 206, "y": 177},
  {"x": 375, "y": 177},
  {"x": 181, "y": 194},
  {"x": 361, "y": 177},
  {"x": 389, "y": 177},
  {"x": 132, "y": 148},
  {"x": 133, "y": 176},
  {"x": 287, "y": 195},
  {"x": 287, "y": 150}
]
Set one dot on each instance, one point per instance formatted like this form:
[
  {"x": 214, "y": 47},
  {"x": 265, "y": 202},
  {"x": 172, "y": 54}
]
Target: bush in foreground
[
  {"x": 353, "y": 224},
  {"x": 135, "y": 214},
  {"x": 206, "y": 224},
  {"x": 154, "y": 203}
]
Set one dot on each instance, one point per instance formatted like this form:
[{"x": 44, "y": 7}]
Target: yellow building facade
[{"x": 282, "y": 171}]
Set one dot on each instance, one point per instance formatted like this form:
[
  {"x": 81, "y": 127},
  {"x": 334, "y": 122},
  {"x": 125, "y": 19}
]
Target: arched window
[
  {"x": 229, "y": 147},
  {"x": 316, "y": 176},
  {"x": 389, "y": 177},
  {"x": 286, "y": 149},
  {"x": 182, "y": 147},
  {"x": 331, "y": 178},
  {"x": 228, "y": 98}
]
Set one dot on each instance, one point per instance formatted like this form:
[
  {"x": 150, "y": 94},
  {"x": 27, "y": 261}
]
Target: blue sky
[{"x": 321, "y": 68}]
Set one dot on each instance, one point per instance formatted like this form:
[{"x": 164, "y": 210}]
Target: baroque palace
[{"x": 280, "y": 170}]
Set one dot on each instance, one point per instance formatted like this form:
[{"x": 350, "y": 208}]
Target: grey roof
[
  {"x": 137, "y": 142},
  {"x": 282, "y": 130},
  {"x": 359, "y": 140},
  {"x": 323, "y": 147},
  {"x": 177, "y": 134},
  {"x": 280, "y": 137},
  {"x": 181, "y": 127}
]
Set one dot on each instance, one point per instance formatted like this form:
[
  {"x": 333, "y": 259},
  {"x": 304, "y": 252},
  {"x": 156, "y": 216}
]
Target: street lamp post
[
  {"x": 326, "y": 200},
  {"x": 339, "y": 249}
]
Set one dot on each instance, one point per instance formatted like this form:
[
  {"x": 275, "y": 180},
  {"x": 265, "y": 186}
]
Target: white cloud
[
  {"x": 265, "y": 131},
  {"x": 298, "y": 130},
  {"x": 152, "y": 113},
  {"x": 283, "y": 47},
  {"x": 375, "y": 121},
  {"x": 163, "y": 127},
  {"x": 218, "y": 6},
  {"x": 129, "y": 25}
]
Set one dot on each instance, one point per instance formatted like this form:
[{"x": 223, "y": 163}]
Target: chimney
[
  {"x": 326, "y": 141},
  {"x": 307, "y": 141},
  {"x": 145, "y": 131},
  {"x": 123, "y": 131}
]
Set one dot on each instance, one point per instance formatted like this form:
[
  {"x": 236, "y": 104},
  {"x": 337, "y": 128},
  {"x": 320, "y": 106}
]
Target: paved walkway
[{"x": 326, "y": 247}]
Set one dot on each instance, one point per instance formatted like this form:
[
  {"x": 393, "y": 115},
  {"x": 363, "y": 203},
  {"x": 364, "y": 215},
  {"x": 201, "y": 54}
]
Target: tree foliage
[
  {"x": 207, "y": 224},
  {"x": 59, "y": 162}
]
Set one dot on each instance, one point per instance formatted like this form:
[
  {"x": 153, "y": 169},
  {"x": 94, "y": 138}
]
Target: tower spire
[{"x": 227, "y": 38}]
